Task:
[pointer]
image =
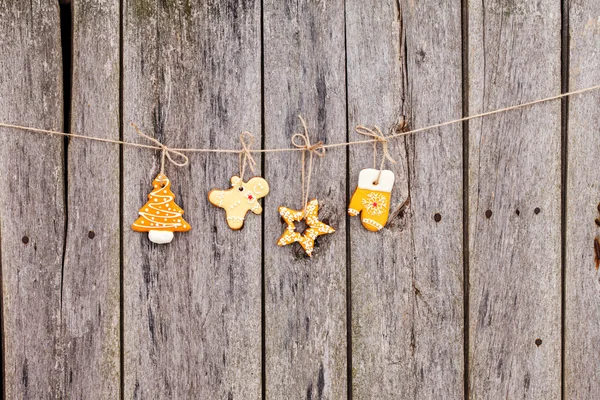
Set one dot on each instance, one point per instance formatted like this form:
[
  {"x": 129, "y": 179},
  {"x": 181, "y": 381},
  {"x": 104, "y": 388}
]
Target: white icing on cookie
[
  {"x": 160, "y": 237},
  {"x": 368, "y": 176}
]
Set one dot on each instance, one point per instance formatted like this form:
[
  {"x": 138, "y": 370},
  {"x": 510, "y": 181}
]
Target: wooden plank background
[
  {"x": 514, "y": 199},
  {"x": 581, "y": 287},
  {"x": 483, "y": 285}
]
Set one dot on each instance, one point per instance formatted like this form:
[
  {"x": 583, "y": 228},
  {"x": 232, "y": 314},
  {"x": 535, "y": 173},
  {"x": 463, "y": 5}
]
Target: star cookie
[{"x": 315, "y": 227}]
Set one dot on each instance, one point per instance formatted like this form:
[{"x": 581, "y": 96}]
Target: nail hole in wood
[
  {"x": 91, "y": 234},
  {"x": 488, "y": 214},
  {"x": 538, "y": 342},
  {"x": 437, "y": 217},
  {"x": 517, "y": 212},
  {"x": 537, "y": 210},
  {"x": 25, "y": 239}
]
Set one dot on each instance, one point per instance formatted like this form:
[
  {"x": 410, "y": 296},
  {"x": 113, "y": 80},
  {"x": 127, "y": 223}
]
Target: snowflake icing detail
[{"x": 375, "y": 203}]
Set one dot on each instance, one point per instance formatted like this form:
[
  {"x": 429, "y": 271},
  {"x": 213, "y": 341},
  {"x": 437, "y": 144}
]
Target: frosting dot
[
  {"x": 184, "y": 225},
  {"x": 142, "y": 222},
  {"x": 155, "y": 199},
  {"x": 158, "y": 212},
  {"x": 165, "y": 219},
  {"x": 164, "y": 191}
]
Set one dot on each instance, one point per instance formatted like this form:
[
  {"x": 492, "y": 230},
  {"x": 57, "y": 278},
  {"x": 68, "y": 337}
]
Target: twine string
[
  {"x": 246, "y": 154},
  {"x": 379, "y": 138},
  {"x": 166, "y": 151},
  {"x": 313, "y": 149},
  {"x": 179, "y": 151}
]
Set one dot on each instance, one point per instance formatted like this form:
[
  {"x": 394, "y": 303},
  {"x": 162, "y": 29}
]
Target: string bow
[
  {"x": 166, "y": 151},
  {"x": 246, "y": 153}
]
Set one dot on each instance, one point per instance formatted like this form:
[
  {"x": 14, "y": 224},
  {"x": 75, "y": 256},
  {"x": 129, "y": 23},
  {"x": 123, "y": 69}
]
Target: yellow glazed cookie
[
  {"x": 241, "y": 198},
  {"x": 315, "y": 227},
  {"x": 372, "y": 198},
  {"x": 160, "y": 216}
]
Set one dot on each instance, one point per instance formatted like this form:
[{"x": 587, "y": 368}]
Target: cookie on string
[
  {"x": 310, "y": 212},
  {"x": 371, "y": 199},
  {"x": 315, "y": 227},
  {"x": 160, "y": 216},
  {"x": 239, "y": 199}
]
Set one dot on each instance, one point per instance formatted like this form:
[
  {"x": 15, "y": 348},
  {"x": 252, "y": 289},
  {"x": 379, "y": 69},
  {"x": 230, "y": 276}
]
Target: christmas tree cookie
[{"x": 160, "y": 216}]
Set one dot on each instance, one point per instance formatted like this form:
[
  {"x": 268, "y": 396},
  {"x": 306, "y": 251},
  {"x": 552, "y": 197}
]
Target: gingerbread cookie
[
  {"x": 160, "y": 216},
  {"x": 241, "y": 198}
]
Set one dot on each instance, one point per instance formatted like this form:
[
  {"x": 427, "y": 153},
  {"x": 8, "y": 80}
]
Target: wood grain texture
[
  {"x": 514, "y": 201},
  {"x": 407, "y": 301},
  {"x": 582, "y": 284},
  {"x": 91, "y": 283},
  {"x": 32, "y": 202},
  {"x": 192, "y": 308},
  {"x": 305, "y": 298}
]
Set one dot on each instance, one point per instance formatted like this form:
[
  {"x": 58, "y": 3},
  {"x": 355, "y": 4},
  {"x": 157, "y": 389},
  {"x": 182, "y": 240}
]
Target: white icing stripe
[
  {"x": 159, "y": 221},
  {"x": 369, "y": 175},
  {"x": 373, "y": 223},
  {"x": 352, "y": 212}
]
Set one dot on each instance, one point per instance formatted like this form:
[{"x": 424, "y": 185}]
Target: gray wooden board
[
  {"x": 582, "y": 283},
  {"x": 514, "y": 164},
  {"x": 407, "y": 300},
  {"x": 192, "y": 308},
  {"x": 32, "y": 203},
  {"x": 305, "y": 298},
  {"x": 91, "y": 283}
]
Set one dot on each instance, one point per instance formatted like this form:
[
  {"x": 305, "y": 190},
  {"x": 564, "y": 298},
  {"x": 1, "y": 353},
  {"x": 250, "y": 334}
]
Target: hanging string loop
[
  {"x": 381, "y": 139},
  {"x": 246, "y": 153},
  {"x": 312, "y": 149},
  {"x": 166, "y": 151}
]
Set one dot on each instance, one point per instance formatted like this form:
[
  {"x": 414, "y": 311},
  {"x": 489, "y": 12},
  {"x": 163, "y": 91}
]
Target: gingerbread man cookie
[{"x": 241, "y": 198}]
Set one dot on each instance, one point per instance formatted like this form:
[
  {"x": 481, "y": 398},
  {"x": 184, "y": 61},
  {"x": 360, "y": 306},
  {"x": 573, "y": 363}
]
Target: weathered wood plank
[
  {"x": 305, "y": 332},
  {"x": 91, "y": 283},
  {"x": 514, "y": 201},
  {"x": 407, "y": 300},
  {"x": 32, "y": 204},
  {"x": 582, "y": 289},
  {"x": 192, "y": 308}
]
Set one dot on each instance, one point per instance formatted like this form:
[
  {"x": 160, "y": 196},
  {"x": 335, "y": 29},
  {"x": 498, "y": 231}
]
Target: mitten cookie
[
  {"x": 241, "y": 198},
  {"x": 160, "y": 216},
  {"x": 372, "y": 199}
]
